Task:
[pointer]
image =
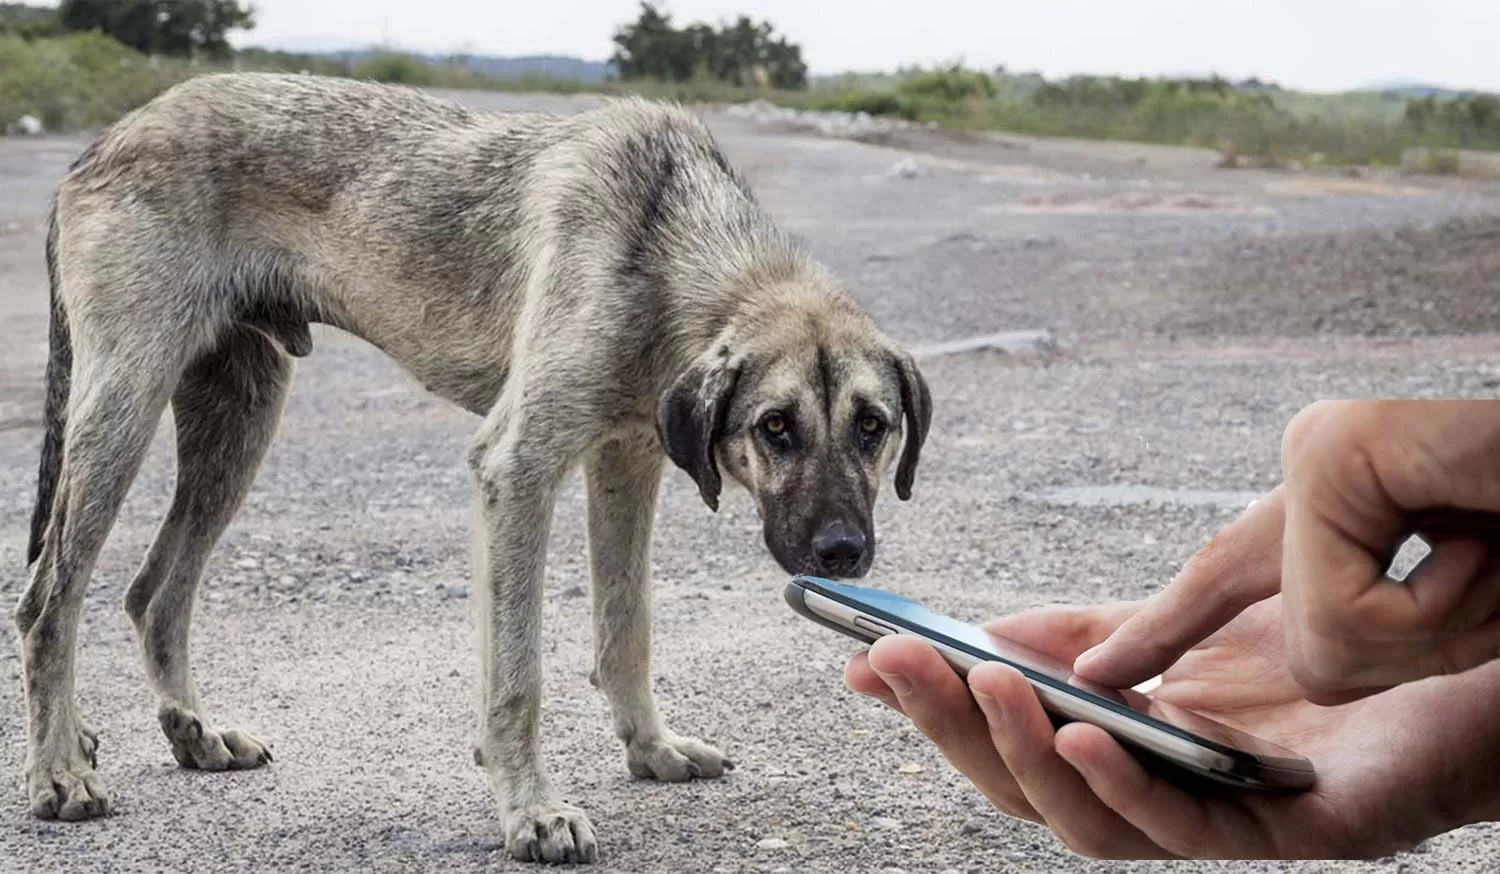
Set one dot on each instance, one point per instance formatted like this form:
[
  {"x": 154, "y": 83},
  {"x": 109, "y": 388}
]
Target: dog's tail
[{"x": 54, "y": 417}]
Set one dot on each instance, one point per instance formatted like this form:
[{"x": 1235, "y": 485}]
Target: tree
[
  {"x": 746, "y": 53},
  {"x": 27, "y": 22},
  {"x": 165, "y": 27}
]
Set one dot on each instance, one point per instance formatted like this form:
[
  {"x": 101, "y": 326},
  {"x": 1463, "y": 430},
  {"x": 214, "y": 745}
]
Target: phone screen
[{"x": 981, "y": 644}]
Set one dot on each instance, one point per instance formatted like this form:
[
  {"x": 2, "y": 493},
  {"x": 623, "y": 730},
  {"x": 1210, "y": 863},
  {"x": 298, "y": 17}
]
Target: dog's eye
[
  {"x": 774, "y": 424},
  {"x": 871, "y": 425}
]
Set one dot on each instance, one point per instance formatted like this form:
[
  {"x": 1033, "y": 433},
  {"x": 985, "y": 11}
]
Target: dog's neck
[{"x": 776, "y": 285}]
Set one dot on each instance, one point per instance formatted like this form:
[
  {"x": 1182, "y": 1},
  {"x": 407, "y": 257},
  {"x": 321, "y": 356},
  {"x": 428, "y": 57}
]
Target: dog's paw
[
  {"x": 64, "y": 786},
  {"x": 195, "y": 745},
  {"x": 675, "y": 759},
  {"x": 550, "y": 833}
]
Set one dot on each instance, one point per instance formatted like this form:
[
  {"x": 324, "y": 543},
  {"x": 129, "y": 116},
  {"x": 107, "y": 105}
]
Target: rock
[
  {"x": 885, "y": 822},
  {"x": 1009, "y": 343},
  {"x": 247, "y": 564},
  {"x": 574, "y": 592},
  {"x": 453, "y": 593},
  {"x": 906, "y": 168},
  {"x": 30, "y": 126},
  {"x": 772, "y": 844},
  {"x": 911, "y": 768}
]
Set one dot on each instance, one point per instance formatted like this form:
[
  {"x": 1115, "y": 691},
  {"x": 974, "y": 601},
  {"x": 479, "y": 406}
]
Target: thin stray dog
[{"x": 602, "y": 289}]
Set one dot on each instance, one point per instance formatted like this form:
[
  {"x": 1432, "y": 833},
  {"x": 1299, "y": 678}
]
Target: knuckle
[{"x": 1300, "y": 428}]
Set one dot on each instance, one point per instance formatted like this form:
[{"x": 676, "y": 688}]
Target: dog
[{"x": 603, "y": 289}]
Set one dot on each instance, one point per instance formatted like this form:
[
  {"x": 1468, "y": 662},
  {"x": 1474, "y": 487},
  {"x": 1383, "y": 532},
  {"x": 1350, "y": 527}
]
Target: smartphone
[{"x": 1156, "y": 732}]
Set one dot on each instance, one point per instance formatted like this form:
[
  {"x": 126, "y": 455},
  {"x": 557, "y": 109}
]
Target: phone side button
[{"x": 870, "y": 626}]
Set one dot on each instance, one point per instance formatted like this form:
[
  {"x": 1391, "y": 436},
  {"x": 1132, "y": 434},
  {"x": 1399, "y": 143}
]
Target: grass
[
  {"x": 78, "y": 80},
  {"x": 86, "y": 80}
]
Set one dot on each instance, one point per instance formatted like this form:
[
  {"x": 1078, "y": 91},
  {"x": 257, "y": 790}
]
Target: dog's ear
[
  {"x": 690, "y": 420},
  {"x": 916, "y": 406}
]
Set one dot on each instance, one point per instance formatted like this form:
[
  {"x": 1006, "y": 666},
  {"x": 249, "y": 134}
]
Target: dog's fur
[{"x": 601, "y": 288}]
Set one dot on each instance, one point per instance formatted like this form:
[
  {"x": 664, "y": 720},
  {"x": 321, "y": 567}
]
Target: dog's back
[{"x": 395, "y": 214}]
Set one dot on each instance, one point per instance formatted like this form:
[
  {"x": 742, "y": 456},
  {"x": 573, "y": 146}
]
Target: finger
[
  {"x": 1237, "y": 568},
  {"x": 1063, "y": 632},
  {"x": 1351, "y": 632},
  {"x": 861, "y": 678},
  {"x": 1022, "y": 733},
  {"x": 1448, "y": 591},
  {"x": 1168, "y": 816},
  {"x": 1333, "y": 673},
  {"x": 1453, "y": 588},
  {"x": 939, "y": 704}
]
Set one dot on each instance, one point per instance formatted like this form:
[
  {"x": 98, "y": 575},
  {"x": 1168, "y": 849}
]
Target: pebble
[
  {"x": 885, "y": 822},
  {"x": 772, "y": 844}
]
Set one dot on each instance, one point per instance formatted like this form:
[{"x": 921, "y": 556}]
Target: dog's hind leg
[
  {"x": 623, "y": 478},
  {"x": 226, "y": 409},
  {"x": 120, "y": 385}
]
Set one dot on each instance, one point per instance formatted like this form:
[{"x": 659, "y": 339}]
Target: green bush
[
  {"x": 950, "y": 85},
  {"x": 886, "y": 103},
  {"x": 79, "y": 80},
  {"x": 397, "y": 69}
]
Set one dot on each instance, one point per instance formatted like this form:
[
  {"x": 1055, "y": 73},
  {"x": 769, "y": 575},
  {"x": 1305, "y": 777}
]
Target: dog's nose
[{"x": 839, "y": 548}]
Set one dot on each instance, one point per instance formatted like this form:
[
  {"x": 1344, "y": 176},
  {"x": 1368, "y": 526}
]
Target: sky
[{"x": 1323, "y": 45}]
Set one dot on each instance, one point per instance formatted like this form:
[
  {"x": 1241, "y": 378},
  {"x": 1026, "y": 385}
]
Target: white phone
[{"x": 1157, "y": 730}]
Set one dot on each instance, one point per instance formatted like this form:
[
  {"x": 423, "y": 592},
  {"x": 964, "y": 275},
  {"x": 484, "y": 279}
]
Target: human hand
[
  {"x": 1393, "y": 769},
  {"x": 1360, "y": 477}
]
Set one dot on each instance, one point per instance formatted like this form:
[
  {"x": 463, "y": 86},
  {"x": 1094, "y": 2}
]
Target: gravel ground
[{"x": 334, "y": 622}]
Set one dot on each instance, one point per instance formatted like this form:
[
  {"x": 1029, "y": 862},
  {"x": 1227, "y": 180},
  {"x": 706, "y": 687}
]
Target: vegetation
[
  {"x": 744, "y": 54},
  {"x": 81, "y": 79},
  {"x": 72, "y": 79},
  {"x": 28, "y": 22},
  {"x": 176, "y": 28},
  {"x": 1248, "y": 122}
]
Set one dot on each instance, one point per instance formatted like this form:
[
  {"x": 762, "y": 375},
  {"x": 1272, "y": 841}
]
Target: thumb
[{"x": 1237, "y": 568}]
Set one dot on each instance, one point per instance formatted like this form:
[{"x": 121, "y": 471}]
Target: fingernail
[
  {"x": 898, "y": 683},
  {"x": 1087, "y": 656}
]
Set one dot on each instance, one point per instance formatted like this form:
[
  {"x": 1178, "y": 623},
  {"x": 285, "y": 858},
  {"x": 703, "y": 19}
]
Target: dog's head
[{"x": 807, "y": 415}]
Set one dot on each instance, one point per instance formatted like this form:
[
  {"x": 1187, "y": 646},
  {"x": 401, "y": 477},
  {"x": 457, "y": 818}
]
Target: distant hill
[
  {"x": 1418, "y": 89},
  {"x": 551, "y": 66},
  {"x": 520, "y": 67}
]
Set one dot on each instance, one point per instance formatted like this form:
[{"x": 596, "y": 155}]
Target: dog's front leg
[
  {"x": 623, "y": 476},
  {"x": 516, "y": 476}
]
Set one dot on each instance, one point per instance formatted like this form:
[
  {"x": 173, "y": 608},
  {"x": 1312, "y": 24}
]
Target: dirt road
[{"x": 1194, "y": 310}]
